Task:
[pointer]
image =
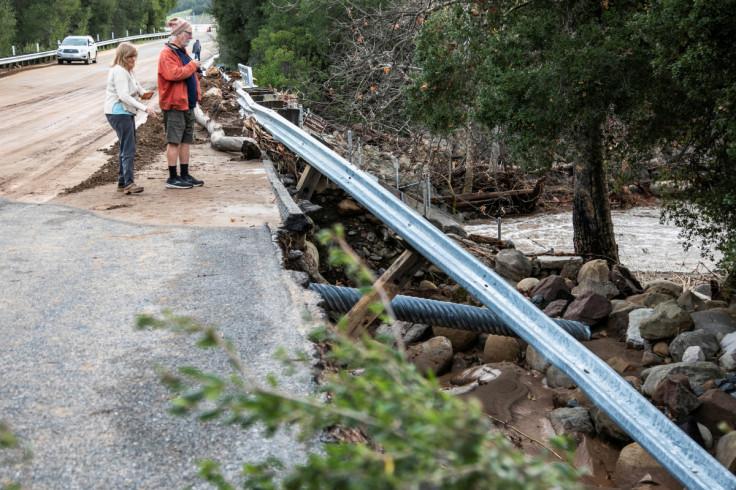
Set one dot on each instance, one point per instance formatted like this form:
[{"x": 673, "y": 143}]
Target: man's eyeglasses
[
  {"x": 132, "y": 56},
  {"x": 189, "y": 33}
]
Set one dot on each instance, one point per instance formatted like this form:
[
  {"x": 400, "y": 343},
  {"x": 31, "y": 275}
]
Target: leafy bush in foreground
[{"x": 406, "y": 432}]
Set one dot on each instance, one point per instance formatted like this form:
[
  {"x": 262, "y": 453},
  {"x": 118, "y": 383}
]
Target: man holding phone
[{"x": 178, "y": 87}]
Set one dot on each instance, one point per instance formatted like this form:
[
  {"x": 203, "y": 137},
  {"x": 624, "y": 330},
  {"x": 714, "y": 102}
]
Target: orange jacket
[{"x": 172, "y": 86}]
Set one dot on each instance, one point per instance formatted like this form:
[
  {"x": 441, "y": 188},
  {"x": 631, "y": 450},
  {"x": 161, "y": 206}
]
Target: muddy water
[{"x": 644, "y": 243}]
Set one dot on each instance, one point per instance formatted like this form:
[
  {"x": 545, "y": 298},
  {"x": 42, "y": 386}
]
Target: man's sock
[
  {"x": 172, "y": 172},
  {"x": 184, "y": 169}
]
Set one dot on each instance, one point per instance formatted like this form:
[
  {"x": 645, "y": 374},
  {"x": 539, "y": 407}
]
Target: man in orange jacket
[{"x": 178, "y": 91}]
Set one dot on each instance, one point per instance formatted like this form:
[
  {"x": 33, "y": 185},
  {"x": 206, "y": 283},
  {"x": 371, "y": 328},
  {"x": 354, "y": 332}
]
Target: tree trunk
[
  {"x": 470, "y": 159},
  {"x": 591, "y": 215}
]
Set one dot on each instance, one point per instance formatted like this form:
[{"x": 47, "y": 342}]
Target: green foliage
[
  {"x": 694, "y": 109},
  {"x": 419, "y": 437},
  {"x": 284, "y": 58},
  {"x": 541, "y": 70},
  {"x": 47, "y": 21},
  {"x": 7, "y": 28},
  {"x": 238, "y": 22},
  {"x": 289, "y": 52},
  {"x": 7, "y": 438},
  {"x": 11, "y": 453},
  {"x": 195, "y": 7},
  {"x": 412, "y": 434}
]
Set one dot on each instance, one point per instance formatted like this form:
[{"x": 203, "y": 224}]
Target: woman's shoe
[{"x": 133, "y": 189}]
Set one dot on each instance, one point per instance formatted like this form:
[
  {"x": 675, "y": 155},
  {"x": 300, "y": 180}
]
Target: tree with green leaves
[
  {"x": 7, "y": 27},
  {"x": 694, "y": 114},
  {"x": 290, "y": 50},
  {"x": 552, "y": 75},
  {"x": 238, "y": 23}
]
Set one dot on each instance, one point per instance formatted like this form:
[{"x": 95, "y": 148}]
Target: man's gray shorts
[{"x": 179, "y": 126}]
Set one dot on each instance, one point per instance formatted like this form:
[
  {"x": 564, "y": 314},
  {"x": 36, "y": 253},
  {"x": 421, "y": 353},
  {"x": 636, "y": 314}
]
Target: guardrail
[
  {"x": 690, "y": 464},
  {"x": 12, "y": 60}
]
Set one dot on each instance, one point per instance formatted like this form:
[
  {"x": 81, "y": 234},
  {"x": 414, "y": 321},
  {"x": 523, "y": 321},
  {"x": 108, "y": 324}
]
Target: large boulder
[
  {"x": 697, "y": 373},
  {"x": 662, "y": 286},
  {"x": 571, "y": 420},
  {"x": 674, "y": 392},
  {"x": 726, "y": 451},
  {"x": 499, "y": 348},
  {"x": 534, "y": 360},
  {"x": 552, "y": 288},
  {"x": 634, "y": 464},
  {"x": 634, "y": 339},
  {"x": 648, "y": 300},
  {"x": 556, "y": 308},
  {"x": 556, "y": 378},
  {"x": 618, "y": 320},
  {"x": 527, "y": 284},
  {"x": 716, "y": 407},
  {"x": 588, "y": 308},
  {"x": 700, "y": 338},
  {"x": 667, "y": 321},
  {"x": 557, "y": 262},
  {"x": 512, "y": 264},
  {"x": 691, "y": 302},
  {"x": 728, "y": 358},
  {"x": 606, "y": 289},
  {"x": 596, "y": 270},
  {"x": 714, "y": 322},
  {"x": 349, "y": 207},
  {"x": 433, "y": 355},
  {"x": 606, "y": 426},
  {"x": 461, "y": 340},
  {"x": 624, "y": 281}
]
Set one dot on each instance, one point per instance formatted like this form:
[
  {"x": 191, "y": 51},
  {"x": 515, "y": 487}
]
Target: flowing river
[{"x": 644, "y": 243}]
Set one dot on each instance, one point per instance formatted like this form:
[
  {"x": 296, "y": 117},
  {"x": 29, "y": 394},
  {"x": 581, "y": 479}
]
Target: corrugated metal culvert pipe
[{"x": 438, "y": 313}]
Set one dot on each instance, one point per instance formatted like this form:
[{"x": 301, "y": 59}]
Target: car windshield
[{"x": 74, "y": 42}]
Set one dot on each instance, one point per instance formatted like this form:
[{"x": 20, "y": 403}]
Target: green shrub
[{"x": 411, "y": 434}]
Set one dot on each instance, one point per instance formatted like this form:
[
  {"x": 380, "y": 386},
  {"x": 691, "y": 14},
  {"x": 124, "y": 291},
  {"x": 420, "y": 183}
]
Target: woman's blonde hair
[{"x": 124, "y": 50}]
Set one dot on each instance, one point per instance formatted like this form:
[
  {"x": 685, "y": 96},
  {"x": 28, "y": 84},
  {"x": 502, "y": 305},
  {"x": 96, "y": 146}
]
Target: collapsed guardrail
[
  {"x": 11, "y": 60},
  {"x": 661, "y": 438}
]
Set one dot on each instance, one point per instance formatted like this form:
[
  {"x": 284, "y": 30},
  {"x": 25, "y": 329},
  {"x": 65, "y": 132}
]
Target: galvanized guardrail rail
[
  {"x": 690, "y": 464},
  {"x": 12, "y": 60}
]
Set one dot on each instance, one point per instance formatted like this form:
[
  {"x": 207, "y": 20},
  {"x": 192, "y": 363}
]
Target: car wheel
[
  {"x": 95, "y": 60},
  {"x": 68, "y": 62},
  {"x": 86, "y": 61},
  {"x": 61, "y": 62}
]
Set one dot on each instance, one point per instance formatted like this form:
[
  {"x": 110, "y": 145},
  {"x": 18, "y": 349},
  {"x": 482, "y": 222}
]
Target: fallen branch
[{"x": 247, "y": 146}]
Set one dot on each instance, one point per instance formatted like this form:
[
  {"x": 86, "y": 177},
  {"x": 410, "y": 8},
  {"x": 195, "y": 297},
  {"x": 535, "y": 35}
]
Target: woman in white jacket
[{"x": 122, "y": 102}]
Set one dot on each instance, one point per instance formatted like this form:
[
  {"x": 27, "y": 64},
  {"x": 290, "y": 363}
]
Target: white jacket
[{"x": 122, "y": 87}]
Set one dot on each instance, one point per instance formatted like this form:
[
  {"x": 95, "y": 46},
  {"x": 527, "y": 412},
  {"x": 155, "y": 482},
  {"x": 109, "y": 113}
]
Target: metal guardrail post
[
  {"x": 247, "y": 74},
  {"x": 660, "y": 437}
]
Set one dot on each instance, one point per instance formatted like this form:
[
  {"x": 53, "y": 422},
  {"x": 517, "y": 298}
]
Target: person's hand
[
  {"x": 151, "y": 112},
  {"x": 198, "y": 63}
]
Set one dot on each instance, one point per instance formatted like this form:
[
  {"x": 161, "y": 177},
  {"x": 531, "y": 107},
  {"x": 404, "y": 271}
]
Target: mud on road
[{"x": 55, "y": 139}]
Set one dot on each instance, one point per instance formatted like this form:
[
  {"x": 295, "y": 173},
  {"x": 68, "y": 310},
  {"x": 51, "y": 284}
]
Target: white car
[{"x": 77, "y": 48}]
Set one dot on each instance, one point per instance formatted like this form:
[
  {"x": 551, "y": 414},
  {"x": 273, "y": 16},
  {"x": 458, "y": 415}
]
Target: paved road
[{"x": 77, "y": 382}]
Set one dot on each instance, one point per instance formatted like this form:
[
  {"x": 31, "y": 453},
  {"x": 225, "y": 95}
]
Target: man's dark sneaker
[
  {"x": 192, "y": 180},
  {"x": 177, "y": 183}
]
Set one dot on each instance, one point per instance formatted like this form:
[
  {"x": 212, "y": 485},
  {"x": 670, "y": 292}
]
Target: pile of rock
[
  {"x": 687, "y": 343},
  {"x": 680, "y": 344}
]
